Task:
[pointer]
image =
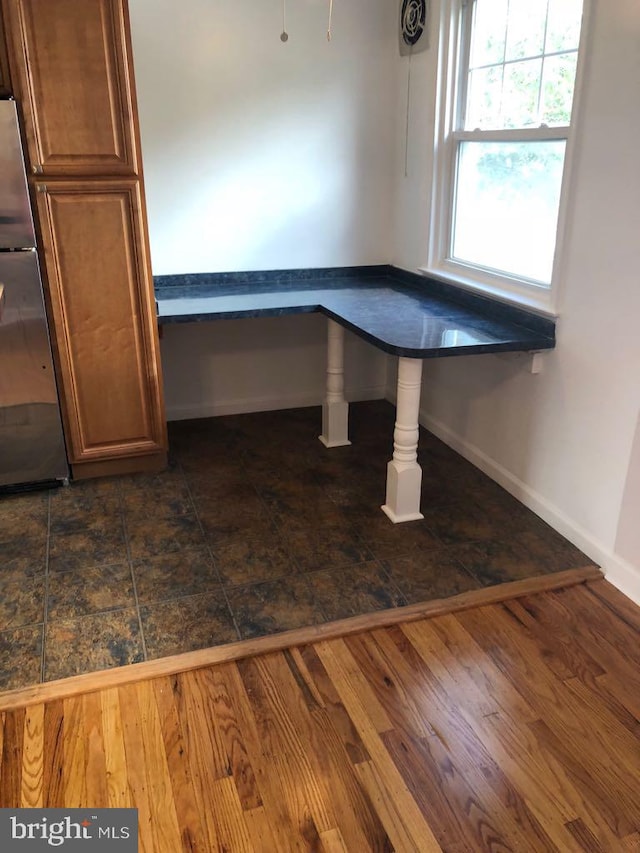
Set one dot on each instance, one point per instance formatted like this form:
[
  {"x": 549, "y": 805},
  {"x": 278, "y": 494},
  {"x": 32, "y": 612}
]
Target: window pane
[
  {"x": 489, "y": 32},
  {"x": 525, "y": 30},
  {"x": 563, "y": 29},
  {"x": 506, "y": 206},
  {"x": 558, "y": 80},
  {"x": 520, "y": 94},
  {"x": 485, "y": 98}
]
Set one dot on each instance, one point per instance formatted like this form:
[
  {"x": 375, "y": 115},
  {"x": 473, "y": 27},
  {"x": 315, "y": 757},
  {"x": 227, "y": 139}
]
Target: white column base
[
  {"x": 335, "y": 410},
  {"x": 335, "y": 424},
  {"x": 404, "y": 484},
  {"x": 404, "y": 475}
]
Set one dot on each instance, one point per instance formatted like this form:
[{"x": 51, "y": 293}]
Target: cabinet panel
[
  {"x": 5, "y": 84},
  {"x": 104, "y": 315},
  {"x": 72, "y": 69}
]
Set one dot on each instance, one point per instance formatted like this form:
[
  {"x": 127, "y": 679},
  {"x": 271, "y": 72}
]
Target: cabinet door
[
  {"x": 72, "y": 70},
  {"x": 5, "y": 84},
  {"x": 105, "y": 318}
]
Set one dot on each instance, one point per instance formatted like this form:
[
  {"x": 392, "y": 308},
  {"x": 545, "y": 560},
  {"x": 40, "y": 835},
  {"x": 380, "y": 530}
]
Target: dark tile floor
[{"x": 254, "y": 528}]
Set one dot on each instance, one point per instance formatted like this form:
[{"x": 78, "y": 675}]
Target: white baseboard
[
  {"x": 618, "y": 571},
  {"x": 241, "y": 406}
]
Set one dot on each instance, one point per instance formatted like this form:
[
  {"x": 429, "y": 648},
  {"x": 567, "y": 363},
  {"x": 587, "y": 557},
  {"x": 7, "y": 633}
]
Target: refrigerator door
[
  {"x": 31, "y": 441},
  {"x": 16, "y": 224}
]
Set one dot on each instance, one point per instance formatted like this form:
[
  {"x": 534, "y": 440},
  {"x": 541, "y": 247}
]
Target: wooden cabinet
[
  {"x": 71, "y": 69},
  {"x": 104, "y": 319},
  {"x": 5, "y": 83}
]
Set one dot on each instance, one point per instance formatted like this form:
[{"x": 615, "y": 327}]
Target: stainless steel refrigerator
[{"x": 32, "y": 449}]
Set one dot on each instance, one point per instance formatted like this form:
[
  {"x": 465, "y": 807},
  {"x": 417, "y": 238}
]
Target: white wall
[
  {"x": 562, "y": 440},
  {"x": 232, "y": 366},
  {"x": 263, "y": 155}
]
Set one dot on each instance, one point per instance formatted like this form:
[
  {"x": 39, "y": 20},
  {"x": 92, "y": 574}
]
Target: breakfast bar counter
[{"x": 404, "y": 314}]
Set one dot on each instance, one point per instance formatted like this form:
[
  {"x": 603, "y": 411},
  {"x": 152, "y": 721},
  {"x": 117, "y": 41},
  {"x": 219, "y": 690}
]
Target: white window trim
[{"x": 544, "y": 299}]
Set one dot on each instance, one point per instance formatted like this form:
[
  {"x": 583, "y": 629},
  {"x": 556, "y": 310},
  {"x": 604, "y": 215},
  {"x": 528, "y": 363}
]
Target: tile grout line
[
  {"x": 125, "y": 528},
  {"x": 45, "y": 603},
  {"x": 209, "y": 551}
]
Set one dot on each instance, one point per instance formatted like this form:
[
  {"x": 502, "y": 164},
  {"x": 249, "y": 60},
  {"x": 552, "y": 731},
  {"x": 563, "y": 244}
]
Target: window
[{"x": 501, "y": 152}]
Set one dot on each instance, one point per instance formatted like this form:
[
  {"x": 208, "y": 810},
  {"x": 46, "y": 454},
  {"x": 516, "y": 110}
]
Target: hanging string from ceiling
[{"x": 284, "y": 35}]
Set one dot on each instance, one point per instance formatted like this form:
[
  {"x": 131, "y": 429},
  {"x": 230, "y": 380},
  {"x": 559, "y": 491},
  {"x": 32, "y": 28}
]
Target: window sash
[
  {"x": 524, "y": 134},
  {"x": 464, "y": 68},
  {"x": 505, "y": 249}
]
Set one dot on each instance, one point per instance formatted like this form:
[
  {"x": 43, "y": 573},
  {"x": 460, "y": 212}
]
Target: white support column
[
  {"x": 404, "y": 475},
  {"x": 335, "y": 410}
]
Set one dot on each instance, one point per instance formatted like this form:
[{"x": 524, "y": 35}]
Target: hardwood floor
[{"x": 513, "y": 726}]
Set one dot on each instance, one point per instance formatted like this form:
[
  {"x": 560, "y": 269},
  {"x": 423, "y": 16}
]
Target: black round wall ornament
[{"x": 412, "y": 20}]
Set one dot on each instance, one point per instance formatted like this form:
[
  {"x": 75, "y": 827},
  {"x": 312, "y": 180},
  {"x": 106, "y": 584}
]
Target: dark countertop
[{"x": 400, "y": 312}]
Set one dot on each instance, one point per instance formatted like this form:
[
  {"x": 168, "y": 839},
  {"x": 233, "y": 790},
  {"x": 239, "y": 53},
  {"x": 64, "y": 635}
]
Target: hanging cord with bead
[
  {"x": 330, "y": 16},
  {"x": 284, "y": 35},
  {"x": 408, "y": 118}
]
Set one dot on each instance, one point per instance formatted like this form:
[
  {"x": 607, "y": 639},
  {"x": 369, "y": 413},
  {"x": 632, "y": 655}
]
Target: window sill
[{"x": 538, "y": 300}]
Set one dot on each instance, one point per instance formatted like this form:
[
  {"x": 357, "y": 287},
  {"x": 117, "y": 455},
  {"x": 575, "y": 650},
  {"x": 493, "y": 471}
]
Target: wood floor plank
[
  {"x": 340, "y": 719},
  {"x": 232, "y": 831},
  {"x": 357, "y": 820},
  {"x": 11, "y": 767},
  {"x": 96, "y": 767},
  {"x": 53, "y": 755},
  {"x": 260, "y": 831},
  {"x": 166, "y": 829},
  {"x": 622, "y": 607},
  {"x": 227, "y": 724},
  {"x": 300, "y": 672},
  {"x": 347, "y": 671},
  {"x": 333, "y": 842},
  {"x": 142, "y": 792},
  {"x": 192, "y": 831},
  {"x": 563, "y": 657},
  {"x": 74, "y": 746},
  {"x": 196, "y": 709},
  {"x": 276, "y": 801},
  {"x": 408, "y": 831},
  {"x": 32, "y": 796},
  {"x": 393, "y": 682},
  {"x": 585, "y": 838},
  {"x": 281, "y": 711},
  {"x": 118, "y": 793},
  {"x": 313, "y": 760},
  {"x": 380, "y": 776}
]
